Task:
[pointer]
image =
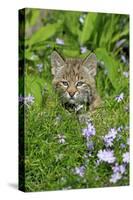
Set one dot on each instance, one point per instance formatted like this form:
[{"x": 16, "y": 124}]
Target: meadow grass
[{"x": 50, "y": 163}]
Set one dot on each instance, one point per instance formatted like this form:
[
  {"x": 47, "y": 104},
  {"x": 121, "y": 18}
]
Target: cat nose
[{"x": 71, "y": 94}]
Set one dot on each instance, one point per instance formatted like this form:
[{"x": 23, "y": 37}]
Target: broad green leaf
[
  {"x": 118, "y": 36},
  {"x": 112, "y": 66},
  {"x": 44, "y": 33},
  {"x": 88, "y": 28},
  {"x": 31, "y": 56},
  {"x": 72, "y": 22}
]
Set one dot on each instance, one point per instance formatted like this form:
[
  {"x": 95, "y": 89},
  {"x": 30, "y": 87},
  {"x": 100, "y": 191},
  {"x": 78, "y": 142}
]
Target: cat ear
[
  {"x": 56, "y": 62},
  {"x": 91, "y": 64}
]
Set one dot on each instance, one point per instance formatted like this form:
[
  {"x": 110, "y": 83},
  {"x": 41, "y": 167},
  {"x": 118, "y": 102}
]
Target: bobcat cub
[{"x": 74, "y": 80}]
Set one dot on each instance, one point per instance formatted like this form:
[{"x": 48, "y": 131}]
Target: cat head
[{"x": 74, "y": 79}]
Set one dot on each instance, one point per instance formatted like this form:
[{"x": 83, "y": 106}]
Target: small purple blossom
[
  {"x": 106, "y": 156},
  {"x": 83, "y": 49},
  {"x": 115, "y": 177},
  {"x": 120, "y": 97},
  {"x": 79, "y": 171},
  {"x": 122, "y": 145},
  {"x": 126, "y": 74},
  {"x": 119, "y": 168},
  {"x": 90, "y": 145},
  {"x": 122, "y": 168},
  {"x": 89, "y": 131},
  {"x": 123, "y": 58},
  {"x": 59, "y": 41},
  {"x": 61, "y": 139},
  {"x": 40, "y": 67},
  {"x": 116, "y": 168},
  {"x": 109, "y": 138},
  {"x": 120, "y": 42},
  {"x": 126, "y": 157},
  {"x": 119, "y": 129},
  {"x": 29, "y": 100}
]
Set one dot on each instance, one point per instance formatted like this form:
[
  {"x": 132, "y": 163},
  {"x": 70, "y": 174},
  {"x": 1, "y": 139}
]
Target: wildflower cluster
[
  {"x": 27, "y": 100},
  {"x": 107, "y": 155},
  {"x": 109, "y": 138}
]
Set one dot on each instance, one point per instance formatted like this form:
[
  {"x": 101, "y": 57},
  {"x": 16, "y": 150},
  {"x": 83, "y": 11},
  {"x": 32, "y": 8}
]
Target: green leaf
[
  {"x": 34, "y": 85},
  {"x": 44, "y": 33},
  {"x": 31, "y": 56},
  {"x": 88, "y": 28},
  {"x": 72, "y": 22},
  {"x": 112, "y": 66}
]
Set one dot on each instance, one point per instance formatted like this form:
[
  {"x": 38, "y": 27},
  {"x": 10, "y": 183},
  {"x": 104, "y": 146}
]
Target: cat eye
[
  {"x": 65, "y": 83},
  {"x": 80, "y": 83}
]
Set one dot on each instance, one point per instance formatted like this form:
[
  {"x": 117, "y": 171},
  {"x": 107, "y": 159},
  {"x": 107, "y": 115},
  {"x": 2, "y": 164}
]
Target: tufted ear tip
[
  {"x": 90, "y": 62},
  {"x": 56, "y": 62}
]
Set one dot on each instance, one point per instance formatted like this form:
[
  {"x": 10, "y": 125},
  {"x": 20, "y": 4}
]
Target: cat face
[{"x": 74, "y": 78}]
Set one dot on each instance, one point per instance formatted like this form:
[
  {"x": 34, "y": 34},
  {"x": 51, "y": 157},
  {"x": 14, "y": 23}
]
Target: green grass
[{"x": 49, "y": 164}]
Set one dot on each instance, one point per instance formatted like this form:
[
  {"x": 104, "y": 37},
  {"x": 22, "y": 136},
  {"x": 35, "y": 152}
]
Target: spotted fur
[{"x": 74, "y": 80}]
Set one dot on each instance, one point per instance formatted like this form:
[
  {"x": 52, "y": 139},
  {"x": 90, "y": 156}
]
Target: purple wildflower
[
  {"x": 28, "y": 100},
  {"x": 126, "y": 157},
  {"x": 90, "y": 145},
  {"x": 80, "y": 171},
  {"x": 123, "y": 58},
  {"x": 126, "y": 74},
  {"x": 122, "y": 169},
  {"x": 120, "y": 97},
  {"x": 120, "y": 42},
  {"x": 122, "y": 145},
  {"x": 83, "y": 49},
  {"x": 59, "y": 41},
  {"x": 40, "y": 67},
  {"x": 116, "y": 168},
  {"x": 106, "y": 156},
  {"x": 109, "y": 138},
  {"x": 61, "y": 139},
  {"x": 119, "y": 129},
  {"x": 115, "y": 177},
  {"x": 119, "y": 168},
  {"x": 89, "y": 131}
]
